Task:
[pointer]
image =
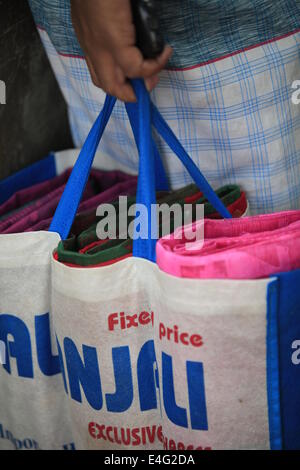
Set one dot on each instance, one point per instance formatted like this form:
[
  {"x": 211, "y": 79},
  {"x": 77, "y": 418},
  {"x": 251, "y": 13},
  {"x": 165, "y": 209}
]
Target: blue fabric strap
[
  {"x": 161, "y": 180},
  {"x": 167, "y": 134},
  {"x": 150, "y": 169},
  {"x": 68, "y": 205},
  {"x": 145, "y": 247}
]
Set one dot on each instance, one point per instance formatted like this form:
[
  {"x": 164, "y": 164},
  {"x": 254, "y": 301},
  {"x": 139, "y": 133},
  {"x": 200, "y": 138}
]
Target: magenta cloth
[
  {"x": 104, "y": 179},
  {"x": 247, "y": 248},
  {"x": 87, "y": 210},
  {"x": 43, "y": 207},
  {"x": 22, "y": 215},
  {"x": 27, "y": 195},
  {"x": 127, "y": 188}
]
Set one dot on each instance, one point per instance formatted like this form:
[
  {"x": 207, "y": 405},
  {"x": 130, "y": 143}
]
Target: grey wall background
[{"x": 34, "y": 119}]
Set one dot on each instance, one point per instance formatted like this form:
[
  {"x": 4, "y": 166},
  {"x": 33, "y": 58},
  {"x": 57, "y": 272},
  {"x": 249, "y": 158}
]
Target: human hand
[{"x": 106, "y": 33}]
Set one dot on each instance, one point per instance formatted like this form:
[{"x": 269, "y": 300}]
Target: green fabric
[
  {"x": 228, "y": 194},
  {"x": 110, "y": 250},
  {"x": 67, "y": 252},
  {"x": 89, "y": 236}
]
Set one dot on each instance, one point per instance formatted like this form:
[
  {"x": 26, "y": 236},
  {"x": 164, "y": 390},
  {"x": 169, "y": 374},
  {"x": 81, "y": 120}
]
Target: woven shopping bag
[
  {"x": 151, "y": 361},
  {"x": 33, "y": 411}
]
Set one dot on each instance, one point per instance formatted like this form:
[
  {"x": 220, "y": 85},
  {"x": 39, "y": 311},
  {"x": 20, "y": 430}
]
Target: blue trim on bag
[
  {"x": 38, "y": 172},
  {"x": 273, "y": 387},
  {"x": 289, "y": 331}
]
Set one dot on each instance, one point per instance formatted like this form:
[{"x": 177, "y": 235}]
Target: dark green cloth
[{"x": 106, "y": 251}]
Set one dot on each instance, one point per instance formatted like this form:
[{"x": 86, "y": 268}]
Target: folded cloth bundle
[
  {"x": 87, "y": 250},
  {"x": 33, "y": 208},
  {"x": 89, "y": 235},
  {"x": 45, "y": 206},
  {"x": 87, "y": 209},
  {"x": 247, "y": 248},
  {"x": 28, "y": 195},
  {"x": 231, "y": 195}
]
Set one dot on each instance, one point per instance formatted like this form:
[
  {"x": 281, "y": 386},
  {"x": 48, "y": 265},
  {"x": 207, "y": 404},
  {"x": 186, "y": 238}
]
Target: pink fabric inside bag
[{"x": 246, "y": 248}]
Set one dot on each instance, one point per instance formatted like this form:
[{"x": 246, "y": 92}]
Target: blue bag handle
[
  {"x": 149, "y": 163},
  {"x": 145, "y": 248},
  {"x": 145, "y": 194},
  {"x": 71, "y": 197},
  {"x": 70, "y": 200},
  {"x": 167, "y": 134},
  {"x": 161, "y": 180}
]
